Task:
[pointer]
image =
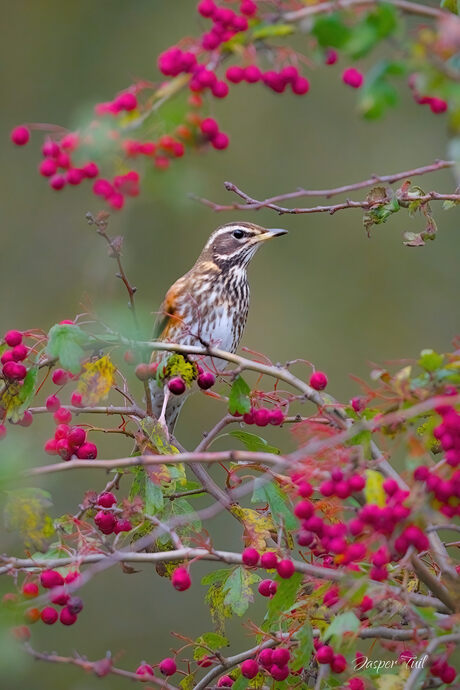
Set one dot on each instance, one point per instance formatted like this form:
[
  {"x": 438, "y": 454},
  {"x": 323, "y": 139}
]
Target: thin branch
[
  {"x": 133, "y": 411},
  {"x": 325, "y": 7},
  {"x": 412, "y": 681}
]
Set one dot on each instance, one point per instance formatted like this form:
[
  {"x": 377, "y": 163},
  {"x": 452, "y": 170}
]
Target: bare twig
[{"x": 325, "y": 7}]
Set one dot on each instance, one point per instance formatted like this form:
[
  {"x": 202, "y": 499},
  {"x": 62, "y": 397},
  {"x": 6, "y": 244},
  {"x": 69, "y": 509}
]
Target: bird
[{"x": 208, "y": 306}]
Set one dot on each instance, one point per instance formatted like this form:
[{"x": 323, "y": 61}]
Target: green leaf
[
  {"x": 138, "y": 485},
  {"x": 239, "y": 402},
  {"x": 16, "y": 401},
  {"x": 188, "y": 682},
  {"x": 66, "y": 342},
  {"x": 430, "y": 360},
  {"x": 271, "y": 493},
  {"x": 284, "y": 598},
  {"x": 238, "y": 592},
  {"x": 216, "y": 577},
  {"x": 451, "y": 5},
  {"x": 302, "y": 653},
  {"x": 215, "y": 596},
  {"x": 330, "y": 31},
  {"x": 180, "y": 506},
  {"x": 212, "y": 640},
  {"x": 154, "y": 501},
  {"x": 25, "y": 512},
  {"x": 240, "y": 684},
  {"x": 272, "y": 30},
  {"x": 344, "y": 623},
  {"x": 254, "y": 442}
]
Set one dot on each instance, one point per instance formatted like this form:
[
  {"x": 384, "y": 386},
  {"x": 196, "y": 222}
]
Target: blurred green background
[{"x": 325, "y": 292}]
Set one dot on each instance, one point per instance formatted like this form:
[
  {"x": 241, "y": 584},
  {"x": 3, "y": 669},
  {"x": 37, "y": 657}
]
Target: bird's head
[{"x": 234, "y": 244}]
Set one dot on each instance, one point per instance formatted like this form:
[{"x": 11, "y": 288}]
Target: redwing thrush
[{"x": 208, "y": 305}]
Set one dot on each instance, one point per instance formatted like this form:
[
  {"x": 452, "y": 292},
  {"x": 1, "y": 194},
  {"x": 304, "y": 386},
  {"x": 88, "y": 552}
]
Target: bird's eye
[{"x": 238, "y": 234}]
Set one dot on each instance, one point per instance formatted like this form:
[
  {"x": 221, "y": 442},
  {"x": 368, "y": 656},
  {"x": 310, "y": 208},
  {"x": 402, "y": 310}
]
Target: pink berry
[
  {"x": 90, "y": 170},
  {"x": 50, "y": 447},
  {"x": 325, "y": 654},
  {"x": 220, "y": 141},
  {"x": 168, "y": 667},
  {"x": 285, "y": 568},
  {"x": 269, "y": 560},
  {"x": 72, "y": 576},
  {"x": 250, "y": 556},
  {"x": 331, "y": 57},
  {"x": 87, "y": 451},
  {"x": 19, "y": 352},
  {"x": 47, "y": 167},
  {"x": 249, "y": 668},
  {"x": 116, "y": 200},
  {"x": 176, "y": 385},
  {"x": 103, "y": 188},
  {"x": 7, "y": 356},
  {"x": 63, "y": 449},
  {"x": 61, "y": 431},
  {"x": 14, "y": 371},
  {"x": 448, "y": 674},
  {"x": 60, "y": 598},
  {"x": 62, "y": 416},
  {"x": 74, "y": 176},
  {"x": 57, "y": 182},
  {"x": 13, "y": 338},
  {"x": 264, "y": 588},
  {"x": 27, "y": 419},
  {"x": 318, "y": 380},
  {"x": 76, "y": 399},
  {"x": 305, "y": 489},
  {"x": 206, "y": 380},
  {"x": 122, "y": 526},
  {"x": 20, "y": 135},
  {"x": 276, "y": 417},
  {"x": 304, "y": 510},
  {"x": 248, "y": 7},
  {"x": 106, "y": 499},
  {"x": 144, "y": 670},
  {"x": 60, "y": 377},
  {"x": 266, "y": 658},
  {"x": 358, "y": 404},
  {"x": 206, "y": 8},
  {"x": 3, "y": 431},
  {"x": 63, "y": 161},
  {"x": 50, "y": 579},
  {"x": 50, "y": 149},
  {"x": 76, "y": 437},
  {"x": 338, "y": 663},
  {"x": 181, "y": 579},
  {"x": 248, "y": 417},
  {"x": 279, "y": 673},
  {"x": 220, "y": 89},
  {"x": 252, "y": 74},
  {"x": 209, "y": 127},
  {"x": 74, "y": 604},
  {"x": 352, "y": 77},
  {"x": 67, "y": 617},
  {"x": 30, "y": 590},
  {"x": 300, "y": 86},
  {"x": 49, "y": 615},
  {"x": 261, "y": 416},
  {"x": 225, "y": 682},
  {"x": 235, "y": 74},
  {"x": 281, "y": 656}
]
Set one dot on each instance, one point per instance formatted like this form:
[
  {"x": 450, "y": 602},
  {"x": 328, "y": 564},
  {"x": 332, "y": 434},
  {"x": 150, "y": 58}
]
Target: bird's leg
[{"x": 162, "y": 417}]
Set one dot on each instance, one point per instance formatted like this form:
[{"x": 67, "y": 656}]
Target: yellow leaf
[
  {"x": 373, "y": 491},
  {"x": 390, "y": 681},
  {"x": 257, "y": 527},
  {"x": 96, "y": 381}
]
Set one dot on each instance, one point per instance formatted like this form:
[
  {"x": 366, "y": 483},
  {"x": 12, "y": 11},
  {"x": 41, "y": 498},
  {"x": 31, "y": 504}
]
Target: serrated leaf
[
  {"x": 154, "y": 501},
  {"x": 343, "y": 623},
  {"x": 180, "y": 507},
  {"x": 25, "y": 512},
  {"x": 430, "y": 360},
  {"x": 239, "y": 402},
  {"x": 373, "y": 490},
  {"x": 237, "y": 589},
  {"x": 271, "y": 493},
  {"x": 96, "y": 381},
  {"x": 284, "y": 598},
  {"x": 257, "y": 527},
  {"x": 16, "y": 399},
  {"x": 66, "y": 342},
  {"x": 215, "y": 596},
  {"x": 272, "y": 31},
  {"x": 302, "y": 653},
  {"x": 188, "y": 682},
  {"x": 212, "y": 641},
  {"x": 241, "y": 683},
  {"x": 253, "y": 442},
  {"x": 216, "y": 577}
]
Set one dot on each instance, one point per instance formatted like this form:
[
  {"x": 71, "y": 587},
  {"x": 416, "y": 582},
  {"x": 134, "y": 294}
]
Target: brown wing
[{"x": 168, "y": 317}]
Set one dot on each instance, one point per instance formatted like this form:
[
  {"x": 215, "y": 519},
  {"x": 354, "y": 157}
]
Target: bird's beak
[{"x": 270, "y": 233}]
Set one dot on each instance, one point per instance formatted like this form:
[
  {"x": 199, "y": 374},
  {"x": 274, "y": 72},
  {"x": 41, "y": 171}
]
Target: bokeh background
[{"x": 325, "y": 292}]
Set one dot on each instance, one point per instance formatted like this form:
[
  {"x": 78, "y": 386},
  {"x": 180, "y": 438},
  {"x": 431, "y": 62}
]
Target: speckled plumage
[{"x": 209, "y": 304}]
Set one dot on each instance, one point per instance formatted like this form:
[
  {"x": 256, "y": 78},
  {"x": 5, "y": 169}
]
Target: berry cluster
[
  {"x": 269, "y": 560},
  {"x": 437, "y": 105},
  {"x": 167, "y": 667},
  {"x": 276, "y": 81},
  {"x": 12, "y": 358},
  {"x": 261, "y": 416},
  {"x": 271, "y": 661},
  {"x": 106, "y": 519},
  {"x": 325, "y": 655},
  {"x": 68, "y": 441},
  {"x": 59, "y": 596}
]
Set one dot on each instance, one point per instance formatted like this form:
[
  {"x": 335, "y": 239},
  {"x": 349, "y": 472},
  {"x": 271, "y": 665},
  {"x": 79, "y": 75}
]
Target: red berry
[
  {"x": 20, "y": 136},
  {"x": 168, "y": 667},
  {"x": 60, "y": 377},
  {"x": 2, "y": 431},
  {"x": 87, "y": 451},
  {"x": 27, "y": 419},
  {"x": 75, "y": 604},
  {"x": 248, "y": 7},
  {"x": 76, "y": 437},
  {"x": 269, "y": 560},
  {"x": 58, "y": 182},
  {"x": 285, "y": 568},
  {"x": 7, "y": 356},
  {"x": 352, "y": 77},
  {"x": 206, "y": 380},
  {"x": 63, "y": 449},
  {"x": 437, "y": 105},
  {"x": 176, "y": 385},
  {"x": 318, "y": 380},
  {"x": 209, "y": 127},
  {"x": 48, "y": 167},
  {"x": 63, "y": 161},
  {"x": 62, "y": 431},
  {"x": 50, "y": 149},
  {"x": 206, "y": 8},
  {"x": 225, "y": 682},
  {"x": 252, "y": 74},
  {"x": 220, "y": 141},
  {"x": 74, "y": 176},
  {"x": 49, "y": 615},
  {"x": 50, "y": 446},
  {"x": 325, "y": 654},
  {"x": 105, "y": 521},
  {"x": 76, "y": 399},
  {"x": 13, "y": 338},
  {"x": 235, "y": 74},
  {"x": 62, "y": 416},
  {"x": 144, "y": 670},
  {"x": 248, "y": 417},
  {"x": 32, "y": 615},
  {"x": 30, "y": 590},
  {"x": 90, "y": 170},
  {"x": 181, "y": 579},
  {"x": 67, "y": 617},
  {"x": 122, "y": 526},
  {"x": 249, "y": 668},
  {"x": 448, "y": 674},
  {"x": 61, "y": 598},
  {"x": 72, "y": 576},
  {"x": 304, "y": 510},
  {"x": 106, "y": 499},
  {"x": 276, "y": 417},
  {"x": 300, "y": 86},
  {"x": 250, "y": 556},
  {"x": 266, "y": 658},
  {"x": 14, "y": 371},
  {"x": 220, "y": 89},
  {"x": 264, "y": 588},
  {"x": 338, "y": 663},
  {"x": 331, "y": 57}
]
